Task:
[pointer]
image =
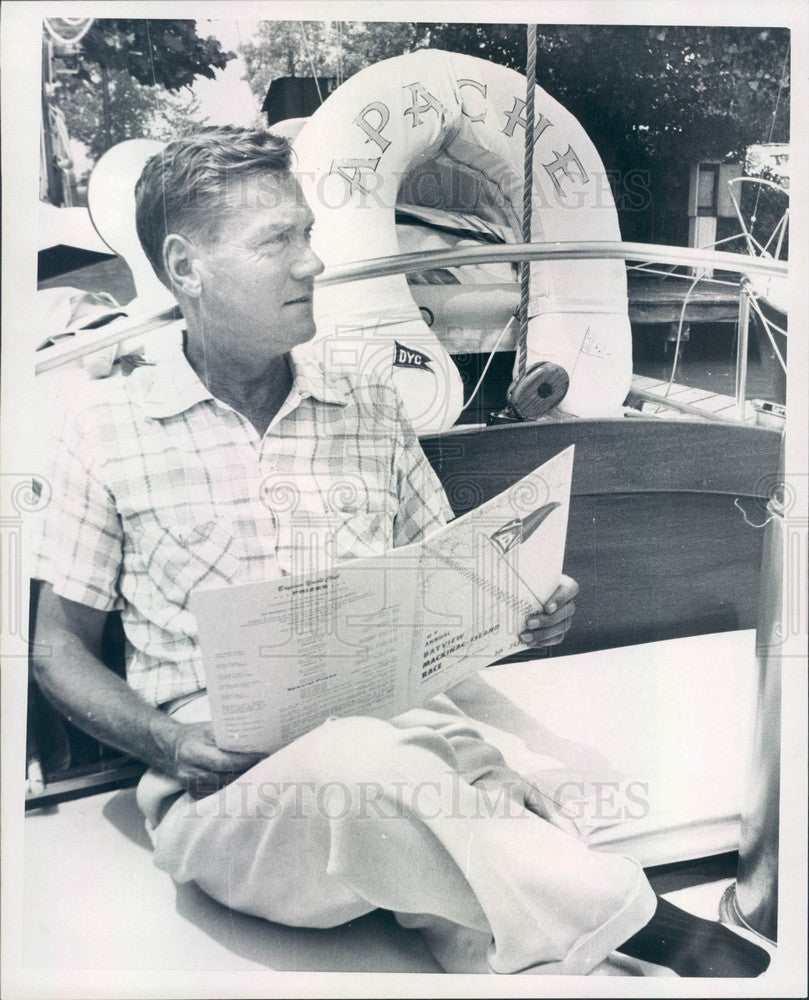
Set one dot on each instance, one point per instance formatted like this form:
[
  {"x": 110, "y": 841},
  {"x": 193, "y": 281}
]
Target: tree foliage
[
  {"x": 158, "y": 53},
  {"x": 131, "y": 73},
  {"x": 652, "y": 98},
  {"x": 134, "y": 112},
  {"x": 337, "y": 49}
]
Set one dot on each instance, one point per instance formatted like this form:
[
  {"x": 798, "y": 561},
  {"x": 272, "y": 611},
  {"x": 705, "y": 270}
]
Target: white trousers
[{"x": 418, "y": 815}]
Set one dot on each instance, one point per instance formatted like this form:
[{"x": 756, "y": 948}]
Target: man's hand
[
  {"x": 67, "y": 666},
  {"x": 194, "y": 759},
  {"x": 549, "y": 624}
]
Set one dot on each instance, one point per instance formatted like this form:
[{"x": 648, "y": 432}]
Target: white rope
[
  {"x": 693, "y": 285},
  {"x": 492, "y": 353}
]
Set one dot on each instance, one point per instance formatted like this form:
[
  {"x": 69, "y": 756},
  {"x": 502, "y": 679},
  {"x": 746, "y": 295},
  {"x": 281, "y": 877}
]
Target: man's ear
[{"x": 181, "y": 268}]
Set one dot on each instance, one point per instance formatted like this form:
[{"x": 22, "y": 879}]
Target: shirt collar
[
  {"x": 176, "y": 387},
  {"x": 310, "y": 377}
]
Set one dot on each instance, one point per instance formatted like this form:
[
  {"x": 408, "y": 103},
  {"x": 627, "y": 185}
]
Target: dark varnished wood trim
[{"x": 612, "y": 456}]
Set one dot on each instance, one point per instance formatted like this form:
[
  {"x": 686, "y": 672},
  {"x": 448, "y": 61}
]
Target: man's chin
[{"x": 307, "y": 333}]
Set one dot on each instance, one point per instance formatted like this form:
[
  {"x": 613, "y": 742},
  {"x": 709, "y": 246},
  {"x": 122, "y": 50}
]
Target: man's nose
[{"x": 308, "y": 264}]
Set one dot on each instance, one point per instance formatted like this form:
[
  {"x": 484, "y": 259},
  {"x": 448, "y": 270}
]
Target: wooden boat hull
[{"x": 654, "y": 539}]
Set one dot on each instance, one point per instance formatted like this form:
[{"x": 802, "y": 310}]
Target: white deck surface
[
  {"x": 670, "y": 715},
  {"x": 713, "y": 403}
]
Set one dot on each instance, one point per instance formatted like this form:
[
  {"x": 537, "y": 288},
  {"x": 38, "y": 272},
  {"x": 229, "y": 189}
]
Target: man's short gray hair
[{"x": 188, "y": 183}]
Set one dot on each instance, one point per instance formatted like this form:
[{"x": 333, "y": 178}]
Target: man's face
[{"x": 257, "y": 271}]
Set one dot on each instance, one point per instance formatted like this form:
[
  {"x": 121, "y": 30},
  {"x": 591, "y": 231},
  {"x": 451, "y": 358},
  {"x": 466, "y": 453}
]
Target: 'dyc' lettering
[
  {"x": 429, "y": 103},
  {"x": 403, "y": 357},
  {"x": 374, "y": 134}
]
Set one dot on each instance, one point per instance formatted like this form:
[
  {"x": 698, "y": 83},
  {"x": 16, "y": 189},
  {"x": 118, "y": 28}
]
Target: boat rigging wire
[
  {"x": 768, "y": 325},
  {"x": 694, "y": 283},
  {"x": 691, "y": 288},
  {"x": 311, "y": 61},
  {"x": 647, "y": 268},
  {"x": 253, "y": 93},
  {"x": 644, "y": 269},
  {"x": 772, "y": 129},
  {"x": 780, "y": 231},
  {"x": 744, "y": 290}
]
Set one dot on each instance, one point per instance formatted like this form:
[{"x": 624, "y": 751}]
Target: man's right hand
[
  {"x": 67, "y": 665},
  {"x": 193, "y": 758}
]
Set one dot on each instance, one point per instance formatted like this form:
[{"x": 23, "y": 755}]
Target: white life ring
[{"x": 444, "y": 130}]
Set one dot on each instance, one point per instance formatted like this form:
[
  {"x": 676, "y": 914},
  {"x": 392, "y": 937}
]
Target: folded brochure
[{"x": 378, "y": 636}]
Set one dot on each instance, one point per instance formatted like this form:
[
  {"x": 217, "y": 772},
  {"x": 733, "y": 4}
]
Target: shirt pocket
[
  {"x": 332, "y": 519},
  {"x": 185, "y": 558},
  {"x": 361, "y": 534},
  {"x": 361, "y": 509}
]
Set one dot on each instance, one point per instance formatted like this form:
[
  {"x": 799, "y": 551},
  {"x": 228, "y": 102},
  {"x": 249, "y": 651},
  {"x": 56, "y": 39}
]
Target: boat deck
[
  {"x": 704, "y": 402},
  {"x": 93, "y": 899}
]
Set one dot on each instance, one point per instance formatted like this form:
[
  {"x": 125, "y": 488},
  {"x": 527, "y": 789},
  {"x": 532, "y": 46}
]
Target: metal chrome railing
[
  {"x": 123, "y": 329},
  {"x": 573, "y": 250}
]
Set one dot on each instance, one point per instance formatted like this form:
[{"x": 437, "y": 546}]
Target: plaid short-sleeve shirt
[{"x": 159, "y": 488}]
